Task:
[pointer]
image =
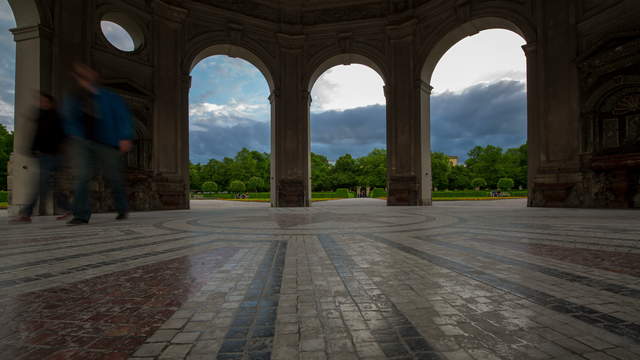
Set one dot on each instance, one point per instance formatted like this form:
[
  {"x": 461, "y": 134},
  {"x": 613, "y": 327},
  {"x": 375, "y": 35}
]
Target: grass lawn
[
  {"x": 477, "y": 198},
  {"x": 4, "y": 205}
]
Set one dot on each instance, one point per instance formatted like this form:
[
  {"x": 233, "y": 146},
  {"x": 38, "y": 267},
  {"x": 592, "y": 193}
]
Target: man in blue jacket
[{"x": 100, "y": 123}]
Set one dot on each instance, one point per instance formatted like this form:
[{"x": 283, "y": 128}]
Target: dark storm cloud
[
  {"x": 481, "y": 115},
  {"x": 355, "y": 131},
  {"x": 210, "y": 140},
  {"x": 7, "y": 65},
  {"x": 484, "y": 114}
]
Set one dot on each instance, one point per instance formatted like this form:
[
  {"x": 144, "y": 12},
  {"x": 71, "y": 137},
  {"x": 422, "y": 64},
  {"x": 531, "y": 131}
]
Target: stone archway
[
  {"x": 33, "y": 73},
  {"x": 236, "y": 51},
  {"x": 433, "y": 56},
  {"x": 319, "y": 67}
]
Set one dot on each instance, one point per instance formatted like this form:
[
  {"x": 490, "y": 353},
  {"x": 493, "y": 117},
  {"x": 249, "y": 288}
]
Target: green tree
[
  {"x": 478, "y": 183},
  {"x": 440, "y": 169},
  {"x": 321, "y": 173},
  {"x": 237, "y": 186},
  {"x": 505, "y": 184},
  {"x": 6, "y": 147},
  {"x": 371, "y": 170},
  {"x": 459, "y": 178},
  {"x": 210, "y": 187},
  {"x": 344, "y": 172},
  {"x": 254, "y": 184},
  {"x": 195, "y": 178},
  {"x": 486, "y": 163},
  {"x": 515, "y": 162}
]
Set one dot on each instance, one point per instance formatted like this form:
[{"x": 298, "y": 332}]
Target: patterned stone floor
[{"x": 350, "y": 279}]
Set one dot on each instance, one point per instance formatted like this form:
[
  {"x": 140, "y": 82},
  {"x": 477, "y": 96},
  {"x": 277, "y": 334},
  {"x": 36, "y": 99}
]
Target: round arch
[
  {"x": 344, "y": 59},
  {"x": 319, "y": 67},
  {"x": 449, "y": 36},
  {"x": 453, "y": 36},
  {"x": 233, "y": 51},
  {"x": 202, "y": 51},
  {"x": 25, "y": 12}
]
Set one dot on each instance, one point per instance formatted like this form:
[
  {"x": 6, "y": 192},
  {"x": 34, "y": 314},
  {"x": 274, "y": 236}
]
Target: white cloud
[
  {"x": 347, "y": 87},
  {"x": 6, "y": 14},
  {"x": 223, "y": 115},
  {"x": 6, "y": 109},
  {"x": 486, "y": 57}
]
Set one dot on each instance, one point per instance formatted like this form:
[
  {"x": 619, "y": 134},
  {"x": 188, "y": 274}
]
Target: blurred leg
[
  {"x": 112, "y": 162},
  {"x": 84, "y": 157}
]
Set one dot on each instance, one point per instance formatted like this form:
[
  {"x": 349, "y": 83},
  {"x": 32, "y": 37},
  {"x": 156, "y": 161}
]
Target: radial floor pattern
[{"x": 350, "y": 279}]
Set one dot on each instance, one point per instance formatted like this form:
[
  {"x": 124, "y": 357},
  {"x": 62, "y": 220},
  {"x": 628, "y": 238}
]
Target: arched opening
[
  {"x": 348, "y": 156},
  {"x": 476, "y": 109},
  {"x": 230, "y": 118},
  {"x": 7, "y": 92}
]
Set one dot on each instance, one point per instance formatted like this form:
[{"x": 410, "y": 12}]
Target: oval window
[
  {"x": 121, "y": 31},
  {"x": 117, "y": 36}
]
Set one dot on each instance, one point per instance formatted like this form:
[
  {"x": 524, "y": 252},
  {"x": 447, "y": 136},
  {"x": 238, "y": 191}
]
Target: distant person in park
[
  {"x": 47, "y": 148},
  {"x": 99, "y": 123}
]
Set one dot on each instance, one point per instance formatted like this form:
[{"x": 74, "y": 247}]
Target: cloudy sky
[
  {"x": 479, "y": 99},
  {"x": 7, "y": 65}
]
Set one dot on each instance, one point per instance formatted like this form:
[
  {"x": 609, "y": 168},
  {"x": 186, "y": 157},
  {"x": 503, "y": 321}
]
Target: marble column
[
  {"x": 33, "y": 73},
  {"x": 426, "y": 184},
  {"x": 533, "y": 121},
  {"x": 405, "y": 134},
  {"x": 291, "y": 127}
]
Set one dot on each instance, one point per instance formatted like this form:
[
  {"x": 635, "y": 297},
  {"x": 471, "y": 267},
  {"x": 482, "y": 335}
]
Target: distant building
[{"x": 453, "y": 160}]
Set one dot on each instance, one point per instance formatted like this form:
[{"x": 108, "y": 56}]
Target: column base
[
  {"x": 403, "y": 191},
  {"x": 292, "y": 193}
]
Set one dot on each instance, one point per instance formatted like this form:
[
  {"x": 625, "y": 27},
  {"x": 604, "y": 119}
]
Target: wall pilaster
[{"x": 170, "y": 110}]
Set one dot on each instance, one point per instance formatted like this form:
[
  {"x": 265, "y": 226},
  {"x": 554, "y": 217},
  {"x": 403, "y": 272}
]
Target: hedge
[
  {"x": 4, "y": 196},
  {"x": 472, "y": 193},
  {"x": 378, "y": 192},
  {"x": 252, "y": 195}
]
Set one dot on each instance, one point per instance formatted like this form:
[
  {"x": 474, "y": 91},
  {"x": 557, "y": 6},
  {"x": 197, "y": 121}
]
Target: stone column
[
  {"x": 533, "y": 120},
  {"x": 273, "y": 100},
  {"x": 170, "y": 159},
  {"x": 290, "y": 127},
  {"x": 33, "y": 73},
  {"x": 404, "y": 130},
  {"x": 425, "y": 148}
]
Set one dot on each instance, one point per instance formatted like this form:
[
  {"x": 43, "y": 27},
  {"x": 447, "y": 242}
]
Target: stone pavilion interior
[{"x": 553, "y": 276}]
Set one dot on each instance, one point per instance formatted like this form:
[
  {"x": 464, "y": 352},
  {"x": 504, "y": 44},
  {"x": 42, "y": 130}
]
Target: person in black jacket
[{"x": 48, "y": 140}]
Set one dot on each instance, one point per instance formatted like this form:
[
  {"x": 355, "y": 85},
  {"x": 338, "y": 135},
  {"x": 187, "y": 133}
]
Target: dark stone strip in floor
[
  {"x": 79, "y": 245},
  {"x": 395, "y": 334},
  {"x": 22, "y": 241},
  {"x": 583, "y": 313},
  {"x": 92, "y": 253},
  {"x": 253, "y": 326},
  {"x": 559, "y": 274},
  {"x": 48, "y": 275},
  {"x": 546, "y": 231},
  {"x": 614, "y": 261}
]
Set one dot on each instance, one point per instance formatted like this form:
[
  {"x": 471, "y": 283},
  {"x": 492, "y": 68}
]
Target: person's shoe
[
  {"x": 63, "y": 216},
  {"x": 122, "y": 216},
  {"x": 21, "y": 220},
  {"x": 76, "y": 221}
]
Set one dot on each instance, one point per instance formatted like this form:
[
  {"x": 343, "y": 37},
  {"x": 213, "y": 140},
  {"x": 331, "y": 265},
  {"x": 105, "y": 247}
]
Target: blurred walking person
[
  {"x": 46, "y": 147},
  {"x": 99, "y": 123}
]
